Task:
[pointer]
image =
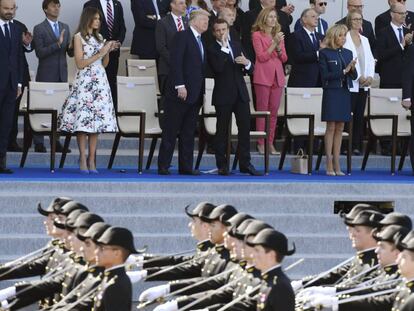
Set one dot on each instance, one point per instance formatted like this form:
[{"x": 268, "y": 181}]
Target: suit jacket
[
  {"x": 390, "y": 58},
  {"x": 367, "y": 31},
  {"x": 52, "y": 57},
  {"x": 11, "y": 59},
  {"x": 246, "y": 30},
  {"x": 383, "y": 20},
  {"x": 408, "y": 75},
  {"x": 119, "y": 29},
  {"x": 26, "y": 73},
  {"x": 143, "y": 39},
  {"x": 332, "y": 62},
  {"x": 164, "y": 35},
  {"x": 187, "y": 67},
  {"x": 303, "y": 56},
  {"x": 268, "y": 66},
  {"x": 298, "y": 25},
  {"x": 276, "y": 293},
  {"x": 228, "y": 76},
  {"x": 254, "y": 4}
]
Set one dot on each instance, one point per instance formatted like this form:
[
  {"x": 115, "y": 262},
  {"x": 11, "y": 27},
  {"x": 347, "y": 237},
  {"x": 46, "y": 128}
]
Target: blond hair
[
  {"x": 333, "y": 33},
  {"x": 260, "y": 24},
  {"x": 198, "y": 12}
]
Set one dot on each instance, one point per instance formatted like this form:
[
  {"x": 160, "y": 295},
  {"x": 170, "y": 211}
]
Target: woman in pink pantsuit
[{"x": 268, "y": 75}]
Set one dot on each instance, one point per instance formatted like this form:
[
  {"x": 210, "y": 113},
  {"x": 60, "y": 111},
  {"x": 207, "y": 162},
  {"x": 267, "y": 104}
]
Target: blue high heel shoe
[
  {"x": 93, "y": 172},
  {"x": 84, "y": 172}
]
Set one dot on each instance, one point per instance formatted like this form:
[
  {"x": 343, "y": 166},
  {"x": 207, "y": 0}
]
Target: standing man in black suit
[
  {"x": 366, "y": 30},
  {"x": 184, "y": 95},
  {"x": 146, "y": 13},
  {"x": 384, "y": 19},
  {"x": 112, "y": 28},
  {"x": 230, "y": 95},
  {"x": 408, "y": 94},
  {"x": 26, "y": 48},
  {"x": 305, "y": 45},
  {"x": 165, "y": 31},
  {"x": 11, "y": 75}
]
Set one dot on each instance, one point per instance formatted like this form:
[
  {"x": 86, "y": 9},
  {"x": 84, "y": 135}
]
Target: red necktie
[{"x": 179, "y": 24}]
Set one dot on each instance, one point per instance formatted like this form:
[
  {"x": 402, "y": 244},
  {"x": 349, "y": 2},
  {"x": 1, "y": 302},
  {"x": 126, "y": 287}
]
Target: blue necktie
[
  {"x": 200, "y": 45},
  {"x": 315, "y": 43},
  {"x": 320, "y": 29},
  {"x": 56, "y": 30},
  {"x": 7, "y": 36},
  {"x": 400, "y": 35}
]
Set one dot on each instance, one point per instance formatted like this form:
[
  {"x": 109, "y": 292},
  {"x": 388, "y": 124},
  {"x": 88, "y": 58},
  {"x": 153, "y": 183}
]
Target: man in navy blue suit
[
  {"x": 184, "y": 95},
  {"x": 305, "y": 51},
  {"x": 320, "y": 8},
  {"x": 11, "y": 75}
]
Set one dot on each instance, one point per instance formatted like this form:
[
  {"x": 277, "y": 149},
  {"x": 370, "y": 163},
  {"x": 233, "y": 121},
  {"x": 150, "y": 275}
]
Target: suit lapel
[
  {"x": 171, "y": 22},
  {"x": 194, "y": 39},
  {"x": 49, "y": 30},
  {"x": 307, "y": 39}
]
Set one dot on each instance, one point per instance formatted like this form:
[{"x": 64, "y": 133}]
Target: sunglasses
[
  {"x": 323, "y": 3},
  {"x": 401, "y": 0}
]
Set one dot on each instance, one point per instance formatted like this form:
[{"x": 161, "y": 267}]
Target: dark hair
[
  {"x": 201, "y": 3},
  {"x": 312, "y": 1},
  {"x": 220, "y": 21},
  {"x": 46, "y": 3},
  {"x": 279, "y": 257},
  {"x": 85, "y": 21}
]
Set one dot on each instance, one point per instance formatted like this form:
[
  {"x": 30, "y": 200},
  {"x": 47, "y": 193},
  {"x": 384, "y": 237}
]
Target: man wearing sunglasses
[
  {"x": 366, "y": 29},
  {"x": 319, "y": 6},
  {"x": 384, "y": 19}
]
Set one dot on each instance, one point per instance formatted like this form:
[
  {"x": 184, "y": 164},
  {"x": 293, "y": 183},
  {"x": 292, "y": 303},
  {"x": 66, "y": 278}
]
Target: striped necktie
[
  {"x": 110, "y": 16},
  {"x": 179, "y": 24}
]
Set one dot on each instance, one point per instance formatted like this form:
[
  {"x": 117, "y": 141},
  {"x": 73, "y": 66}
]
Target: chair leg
[
  {"x": 371, "y": 143},
  {"x": 284, "y": 150},
  {"x": 266, "y": 155},
  {"x": 405, "y": 143},
  {"x": 114, "y": 149},
  {"x": 349, "y": 157},
  {"x": 65, "y": 150},
  {"x": 310, "y": 153},
  {"x": 151, "y": 152},
  {"x": 53, "y": 151},
  {"x": 27, "y": 142},
  {"x": 393, "y": 154},
  {"x": 320, "y": 153}
]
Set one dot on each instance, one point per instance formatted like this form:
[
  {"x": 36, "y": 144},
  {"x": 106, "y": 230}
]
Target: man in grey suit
[
  {"x": 165, "y": 31},
  {"x": 51, "y": 40}
]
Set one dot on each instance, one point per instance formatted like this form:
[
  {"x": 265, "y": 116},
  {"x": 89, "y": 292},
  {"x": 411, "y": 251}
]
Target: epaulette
[
  {"x": 220, "y": 248},
  {"x": 410, "y": 285},
  {"x": 243, "y": 263},
  {"x": 55, "y": 242}
]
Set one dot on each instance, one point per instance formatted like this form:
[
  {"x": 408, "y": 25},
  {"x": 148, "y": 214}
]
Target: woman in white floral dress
[{"x": 89, "y": 108}]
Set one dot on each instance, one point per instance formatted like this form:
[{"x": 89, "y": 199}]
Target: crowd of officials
[
  {"x": 191, "y": 43},
  {"x": 237, "y": 264}
]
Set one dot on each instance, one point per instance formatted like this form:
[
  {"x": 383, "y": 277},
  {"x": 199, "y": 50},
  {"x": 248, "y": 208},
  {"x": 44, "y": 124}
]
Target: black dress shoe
[
  {"x": 250, "y": 170},
  {"x": 59, "y": 148},
  {"x": 163, "y": 171},
  {"x": 223, "y": 171},
  {"x": 193, "y": 173},
  {"x": 14, "y": 147},
  {"x": 5, "y": 170},
  {"x": 40, "y": 148}
]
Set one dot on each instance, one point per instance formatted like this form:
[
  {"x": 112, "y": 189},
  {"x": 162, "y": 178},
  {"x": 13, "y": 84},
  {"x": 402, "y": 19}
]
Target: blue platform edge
[{"x": 130, "y": 174}]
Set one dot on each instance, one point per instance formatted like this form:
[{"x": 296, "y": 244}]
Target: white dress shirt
[{"x": 397, "y": 33}]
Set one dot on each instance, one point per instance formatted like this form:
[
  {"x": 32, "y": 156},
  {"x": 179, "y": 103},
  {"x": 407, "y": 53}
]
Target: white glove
[
  {"x": 296, "y": 285},
  {"x": 154, "y": 293},
  {"x": 326, "y": 290},
  {"x": 136, "y": 276},
  {"x": 168, "y": 306},
  {"x": 7, "y": 292},
  {"x": 325, "y": 301},
  {"x": 5, "y": 304},
  {"x": 206, "y": 309},
  {"x": 134, "y": 261}
]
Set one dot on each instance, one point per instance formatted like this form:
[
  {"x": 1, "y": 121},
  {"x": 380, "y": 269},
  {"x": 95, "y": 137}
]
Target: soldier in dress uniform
[
  {"x": 115, "y": 291},
  {"x": 275, "y": 292},
  {"x": 396, "y": 219}
]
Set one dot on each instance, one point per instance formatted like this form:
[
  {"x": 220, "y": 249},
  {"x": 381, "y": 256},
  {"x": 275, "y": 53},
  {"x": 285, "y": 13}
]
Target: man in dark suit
[
  {"x": 305, "y": 51},
  {"x": 384, "y": 19},
  {"x": 230, "y": 95},
  {"x": 366, "y": 30},
  {"x": 320, "y": 8},
  {"x": 112, "y": 28},
  {"x": 51, "y": 39},
  {"x": 26, "y": 48},
  {"x": 146, "y": 13},
  {"x": 408, "y": 94},
  {"x": 184, "y": 95},
  {"x": 11, "y": 75},
  {"x": 165, "y": 31},
  {"x": 249, "y": 19}
]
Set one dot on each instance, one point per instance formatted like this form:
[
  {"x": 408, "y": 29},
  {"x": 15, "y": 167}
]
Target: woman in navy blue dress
[{"x": 337, "y": 72}]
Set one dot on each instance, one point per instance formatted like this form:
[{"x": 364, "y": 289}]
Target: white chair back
[
  {"x": 304, "y": 101},
  {"x": 143, "y": 68},
  {"x": 137, "y": 94},
  {"x": 125, "y": 53},
  {"x": 42, "y": 96},
  {"x": 23, "y": 101},
  {"x": 209, "y": 123},
  {"x": 388, "y": 102}
]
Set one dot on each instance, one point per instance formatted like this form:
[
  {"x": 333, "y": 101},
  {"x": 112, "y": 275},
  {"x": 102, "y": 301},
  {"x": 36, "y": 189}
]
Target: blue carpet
[{"x": 131, "y": 175}]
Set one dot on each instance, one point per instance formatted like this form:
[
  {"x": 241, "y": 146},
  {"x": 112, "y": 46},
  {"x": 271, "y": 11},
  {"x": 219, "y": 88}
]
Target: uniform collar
[
  {"x": 391, "y": 269},
  {"x": 271, "y": 271}
]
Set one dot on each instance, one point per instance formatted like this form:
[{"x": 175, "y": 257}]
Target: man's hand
[
  {"x": 19, "y": 91},
  {"x": 27, "y": 38},
  {"x": 182, "y": 93},
  {"x": 61, "y": 37},
  {"x": 242, "y": 60},
  {"x": 153, "y": 17},
  {"x": 288, "y": 9},
  {"x": 408, "y": 39},
  {"x": 406, "y": 104},
  {"x": 224, "y": 39}
]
